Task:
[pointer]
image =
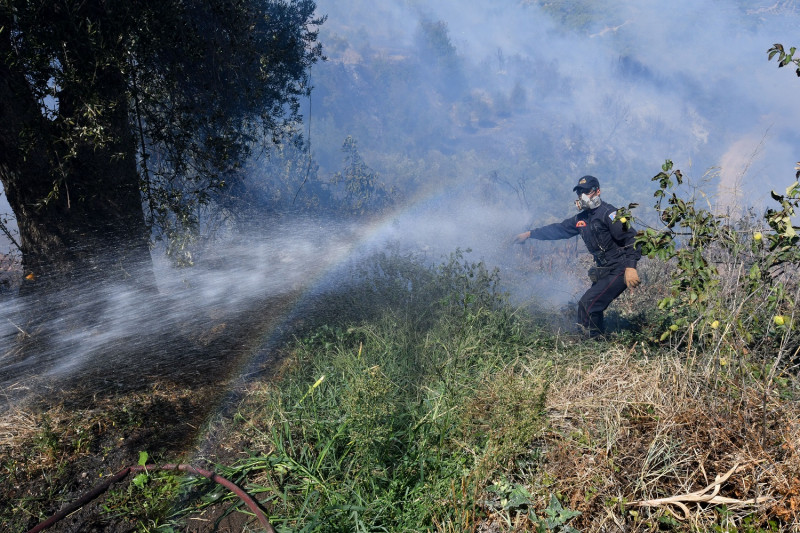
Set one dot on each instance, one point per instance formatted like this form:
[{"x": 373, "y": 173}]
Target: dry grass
[
  {"x": 629, "y": 428},
  {"x": 17, "y": 427}
]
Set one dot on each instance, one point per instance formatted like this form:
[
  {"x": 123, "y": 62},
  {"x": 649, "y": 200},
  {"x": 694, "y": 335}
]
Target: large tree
[{"x": 118, "y": 118}]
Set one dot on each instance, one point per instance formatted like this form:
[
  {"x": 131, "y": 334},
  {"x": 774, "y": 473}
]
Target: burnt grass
[{"x": 61, "y": 437}]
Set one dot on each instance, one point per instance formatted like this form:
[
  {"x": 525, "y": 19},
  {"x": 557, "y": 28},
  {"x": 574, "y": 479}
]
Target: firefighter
[{"x": 608, "y": 239}]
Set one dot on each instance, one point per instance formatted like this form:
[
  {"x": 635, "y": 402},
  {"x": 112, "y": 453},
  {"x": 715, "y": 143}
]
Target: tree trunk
[{"x": 81, "y": 221}]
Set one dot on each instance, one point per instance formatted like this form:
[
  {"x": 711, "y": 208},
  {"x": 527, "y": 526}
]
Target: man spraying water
[{"x": 610, "y": 242}]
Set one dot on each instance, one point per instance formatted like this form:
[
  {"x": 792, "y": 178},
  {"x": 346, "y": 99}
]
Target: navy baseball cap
[{"x": 587, "y": 183}]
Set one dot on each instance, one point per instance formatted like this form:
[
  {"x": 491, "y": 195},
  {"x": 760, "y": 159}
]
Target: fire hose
[{"x": 119, "y": 476}]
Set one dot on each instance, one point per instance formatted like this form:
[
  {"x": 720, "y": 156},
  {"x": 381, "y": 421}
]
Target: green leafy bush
[{"x": 731, "y": 283}]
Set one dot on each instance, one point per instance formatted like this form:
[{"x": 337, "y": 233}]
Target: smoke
[
  {"x": 630, "y": 82},
  {"x": 488, "y": 123},
  {"x": 483, "y": 115},
  {"x": 610, "y": 88}
]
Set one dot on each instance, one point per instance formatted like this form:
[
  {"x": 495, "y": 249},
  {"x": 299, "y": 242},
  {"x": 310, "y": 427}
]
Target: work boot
[{"x": 596, "y": 326}]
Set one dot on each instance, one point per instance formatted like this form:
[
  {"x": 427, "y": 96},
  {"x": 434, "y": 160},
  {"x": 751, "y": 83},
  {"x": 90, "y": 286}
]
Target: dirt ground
[{"x": 60, "y": 437}]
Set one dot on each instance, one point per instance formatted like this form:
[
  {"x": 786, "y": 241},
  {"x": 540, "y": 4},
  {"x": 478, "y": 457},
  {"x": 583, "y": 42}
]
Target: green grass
[
  {"x": 384, "y": 425},
  {"x": 449, "y": 409}
]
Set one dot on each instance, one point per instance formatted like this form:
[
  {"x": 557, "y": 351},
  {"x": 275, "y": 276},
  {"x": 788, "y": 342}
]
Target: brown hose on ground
[{"x": 119, "y": 476}]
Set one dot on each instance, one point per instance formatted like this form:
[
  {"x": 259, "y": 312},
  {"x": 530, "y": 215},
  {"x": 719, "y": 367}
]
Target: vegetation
[
  {"x": 453, "y": 412},
  {"x": 448, "y": 410},
  {"x": 418, "y": 398},
  {"x": 106, "y": 107},
  {"x": 734, "y": 282}
]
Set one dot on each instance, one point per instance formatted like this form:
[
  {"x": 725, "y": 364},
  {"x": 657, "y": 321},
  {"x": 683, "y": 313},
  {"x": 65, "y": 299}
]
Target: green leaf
[
  {"x": 143, "y": 457},
  {"x": 140, "y": 480},
  {"x": 519, "y": 496}
]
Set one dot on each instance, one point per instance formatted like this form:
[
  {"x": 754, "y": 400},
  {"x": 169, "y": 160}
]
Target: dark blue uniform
[{"x": 612, "y": 246}]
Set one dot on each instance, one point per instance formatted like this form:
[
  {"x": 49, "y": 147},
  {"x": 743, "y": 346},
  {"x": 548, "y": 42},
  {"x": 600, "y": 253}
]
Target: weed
[
  {"x": 555, "y": 518},
  {"x": 146, "y": 500}
]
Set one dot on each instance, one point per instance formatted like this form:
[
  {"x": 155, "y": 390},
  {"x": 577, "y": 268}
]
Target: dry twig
[{"x": 710, "y": 494}]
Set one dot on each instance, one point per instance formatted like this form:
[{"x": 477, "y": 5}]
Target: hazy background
[
  {"x": 610, "y": 88},
  {"x": 472, "y": 122},
  {"x": 480, "y": 116}
]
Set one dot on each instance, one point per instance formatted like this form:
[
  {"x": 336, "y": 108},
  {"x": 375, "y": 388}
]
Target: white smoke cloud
[
  {"x": 684, "y": 81},
  {"x": 641, "y": 80}
]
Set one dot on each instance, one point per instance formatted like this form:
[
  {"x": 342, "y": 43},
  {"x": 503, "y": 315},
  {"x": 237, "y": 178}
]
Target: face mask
[{"x": 586, "y": 202}]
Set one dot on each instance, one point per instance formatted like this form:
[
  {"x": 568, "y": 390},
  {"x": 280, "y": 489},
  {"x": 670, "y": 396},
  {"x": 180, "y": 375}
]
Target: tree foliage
[
  {"x": 236, "y": 79},
  {"x": 363, "y": 191},
  {"x": 167, "y": 96},
  {"x": 784, "y": 57},
  {"x": 728, "y": 275}
]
